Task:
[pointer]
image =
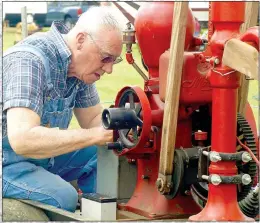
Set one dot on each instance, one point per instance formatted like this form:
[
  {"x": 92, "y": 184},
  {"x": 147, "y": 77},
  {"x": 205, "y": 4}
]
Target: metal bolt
[
  {"x": 217, "y": 61},
  {"x": 215, "y": 179},
  {"x": 169, "y": 185},
  {"x": 205, "y": 153},
  {"x": 205, "y": 177},
  {"x": 246, "y": 179},
  {"x": 246, "y": 157},
  {"x": 214, "y": 156},
  {"x": 159, "y": 183}
]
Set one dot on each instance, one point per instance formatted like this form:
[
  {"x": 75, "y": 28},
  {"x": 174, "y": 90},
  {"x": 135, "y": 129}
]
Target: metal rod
[
  {"x": 24, "y": 22},
  {"x": 140, "y": 71}
]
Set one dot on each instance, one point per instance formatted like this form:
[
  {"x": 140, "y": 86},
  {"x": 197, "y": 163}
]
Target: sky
[{"x": 41, "y": 7}]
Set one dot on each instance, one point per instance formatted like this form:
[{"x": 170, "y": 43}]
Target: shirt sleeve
[
  {"x": 23, "y": 86},
  {"x": 87, "y": 96}
]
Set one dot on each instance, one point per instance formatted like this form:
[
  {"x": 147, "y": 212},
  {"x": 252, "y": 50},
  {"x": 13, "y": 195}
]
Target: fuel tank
[{"x": 153, "y": 25}]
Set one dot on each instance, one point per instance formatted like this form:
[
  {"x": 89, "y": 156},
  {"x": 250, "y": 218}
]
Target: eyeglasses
[{"x": 106, "y": 59}]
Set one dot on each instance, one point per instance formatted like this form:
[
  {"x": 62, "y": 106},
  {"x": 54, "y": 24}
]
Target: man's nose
[{"x": 108, "y": 68}]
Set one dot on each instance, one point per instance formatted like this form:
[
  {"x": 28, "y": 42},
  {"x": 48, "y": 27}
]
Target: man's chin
[
  {"x": 89, "y": 81},
  {"x": 91, "y": 78}
]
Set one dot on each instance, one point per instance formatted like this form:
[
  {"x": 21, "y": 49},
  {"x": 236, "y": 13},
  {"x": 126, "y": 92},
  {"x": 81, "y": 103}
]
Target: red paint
[
  {"x": 148, "y": 202},
  {"x": 139, "y": 150},
  {"x": 195, "y": 86},
  {"x": 222, "y": 204},
  {"x": 129, "y": 58},
  {"x": 201, "y": 136},
  {"x": 200, "y": 84},
  {"x": 153, "y": 25},
  {"x": 251, "y": 36}
]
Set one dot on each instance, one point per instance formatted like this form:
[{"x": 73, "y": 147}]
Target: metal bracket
[
  {"x": 238, "y": 156},
  {"x": 164, "y": 183},
  {"x": 216, "y": 62},
  {"x": 216, "y": 179}
]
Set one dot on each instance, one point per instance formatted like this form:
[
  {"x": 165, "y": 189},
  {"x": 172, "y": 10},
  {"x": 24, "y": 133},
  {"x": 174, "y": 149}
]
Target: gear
[{"x": 246, "y": 136}]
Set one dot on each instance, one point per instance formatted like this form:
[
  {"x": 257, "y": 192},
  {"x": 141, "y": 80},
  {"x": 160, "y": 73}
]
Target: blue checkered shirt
[{"x": 24, "y": 81}]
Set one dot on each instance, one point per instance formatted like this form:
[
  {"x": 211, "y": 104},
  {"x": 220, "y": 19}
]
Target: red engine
[{"x": 207, "y": 119}]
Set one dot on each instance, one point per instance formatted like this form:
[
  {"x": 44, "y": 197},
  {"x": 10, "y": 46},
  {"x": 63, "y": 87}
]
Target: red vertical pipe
[
  {"x": 226, "y": 12},
  {"x": 222, "y": 202}
]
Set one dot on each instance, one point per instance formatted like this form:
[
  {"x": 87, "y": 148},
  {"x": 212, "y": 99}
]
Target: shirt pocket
[
  {"x": 60, "y": 119},
  {"x": 58, "y": 112}
]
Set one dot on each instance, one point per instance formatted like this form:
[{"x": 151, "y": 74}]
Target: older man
[{"x": 46, "y": 77}]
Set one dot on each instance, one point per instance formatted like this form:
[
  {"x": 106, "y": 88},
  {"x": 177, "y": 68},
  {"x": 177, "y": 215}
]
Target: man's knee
[
  {"x": 68, "y": 198},
  {"x": 35, "y": 183},
  {"x": 64, "y": 197}
]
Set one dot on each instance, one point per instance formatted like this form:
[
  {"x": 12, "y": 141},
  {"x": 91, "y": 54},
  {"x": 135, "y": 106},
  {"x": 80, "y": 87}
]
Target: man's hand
[{"x": 104, "y": 136}]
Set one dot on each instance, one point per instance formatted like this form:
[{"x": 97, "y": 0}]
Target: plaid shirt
[{"x": 24, "y": 81}]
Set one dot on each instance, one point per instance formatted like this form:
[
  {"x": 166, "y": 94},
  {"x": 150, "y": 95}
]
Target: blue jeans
[{"x": 48, "y": 183}]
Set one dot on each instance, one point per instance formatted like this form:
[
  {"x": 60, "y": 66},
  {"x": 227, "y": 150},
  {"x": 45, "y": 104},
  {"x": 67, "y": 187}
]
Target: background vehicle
[
  {"x": 67, "y": 12},
  {"x": 12, "y": 12}
]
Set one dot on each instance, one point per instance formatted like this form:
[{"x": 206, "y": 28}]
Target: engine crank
[{"x": 130, "y": 118}]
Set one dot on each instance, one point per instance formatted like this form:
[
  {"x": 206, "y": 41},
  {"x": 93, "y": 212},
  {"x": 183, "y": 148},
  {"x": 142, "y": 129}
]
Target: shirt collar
[{"x": 57, "y": 29}]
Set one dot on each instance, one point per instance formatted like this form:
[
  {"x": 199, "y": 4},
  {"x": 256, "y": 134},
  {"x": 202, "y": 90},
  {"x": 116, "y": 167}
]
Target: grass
[
  {"x": 253, "y": 99},
  {"x": 125, "y": 75}
]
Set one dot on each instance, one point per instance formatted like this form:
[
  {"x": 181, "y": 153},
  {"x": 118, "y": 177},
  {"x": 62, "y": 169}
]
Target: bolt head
[
  {"x": 246, "y": 157},
  {"x": 246, "y": 179},
  {"x": 159, "y": 183},
  {"x": 169, "y": 185},
  {"x": 214, "y": 156},
  {"x": 215, "y": 179}
]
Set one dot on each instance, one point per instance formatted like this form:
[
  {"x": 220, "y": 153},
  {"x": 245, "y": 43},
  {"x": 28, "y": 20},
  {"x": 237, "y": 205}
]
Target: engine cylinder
[{"x": 153, "y": 25}]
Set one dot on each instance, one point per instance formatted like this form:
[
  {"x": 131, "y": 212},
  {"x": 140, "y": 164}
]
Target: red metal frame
[
  {"x": 146, "y": 200},
  {"x": 203, "y": 81},
  {"x": 222, "y": 202}
]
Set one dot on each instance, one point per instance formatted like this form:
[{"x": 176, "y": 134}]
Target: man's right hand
[{"x": 104, "y": 136}]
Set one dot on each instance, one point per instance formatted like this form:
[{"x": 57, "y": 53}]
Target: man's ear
[{"x": 80, "y": 39}]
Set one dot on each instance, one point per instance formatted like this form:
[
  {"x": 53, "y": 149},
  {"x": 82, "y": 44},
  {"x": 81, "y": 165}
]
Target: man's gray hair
[{"x": 98, "y": 17}]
